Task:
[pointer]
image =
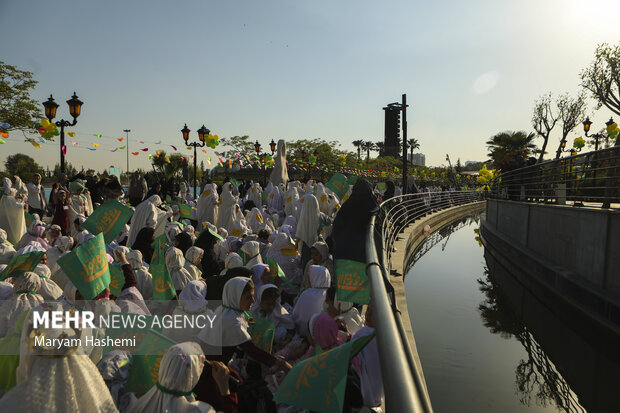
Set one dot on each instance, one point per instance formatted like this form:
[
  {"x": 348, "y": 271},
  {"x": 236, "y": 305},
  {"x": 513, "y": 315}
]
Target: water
[{"x": 488, "y": 345}]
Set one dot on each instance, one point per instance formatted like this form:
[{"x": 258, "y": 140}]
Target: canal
[{"x": 488, "y": 345}]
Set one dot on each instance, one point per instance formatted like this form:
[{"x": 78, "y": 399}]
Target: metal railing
[
  {"x": 403, "y": 382},
  {"x": 591, "y": 179}
]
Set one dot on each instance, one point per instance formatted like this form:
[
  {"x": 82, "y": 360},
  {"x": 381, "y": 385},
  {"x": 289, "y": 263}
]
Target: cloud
[{"x": 485, "y": 82}]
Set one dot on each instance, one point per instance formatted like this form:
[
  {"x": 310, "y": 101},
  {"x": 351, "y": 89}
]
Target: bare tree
[
  {"x": 544, "y": 121},
  {"x": 602, "y": 77},
  {"x": 571, "y": 112}
]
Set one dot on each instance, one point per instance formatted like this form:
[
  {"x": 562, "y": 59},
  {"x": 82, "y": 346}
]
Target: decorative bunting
[
  {"x": 92, "y": 149},
  {"x": 145, "y": 149},
  {"x": 122, "y": 147},
  {"x": 135, "y": 153},
  {"x": 97, "y": 135},
  {"x": 95, "y": 145},
  {"x": 72, "y": 134},
  {"x": 120, "y": 139},
  {"x": 114, "y": 150},
  {"x": 35, "y": 144},
  {"x": 174, "y": 147},
  {"x": 64, "y": 149}
]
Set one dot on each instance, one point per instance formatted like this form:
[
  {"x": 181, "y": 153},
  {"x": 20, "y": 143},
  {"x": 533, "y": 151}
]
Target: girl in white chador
[
  {"x": 250, "y": 252},
  {"x": 225, "y": 215},
  {"x": 208, "y": 207},
  {"x": 192, "y": 303},
  {"x": 52, "y": 379},
  {"x": 176, "y": 267},
  {"x": 25, "y": 297},
  {"x": 311, "y": 301},
  {"x": 179, "y": 371},
  {"x": 146, "y": 215},
  {"x": 255, "y": 194},
  {"x": 60, "y": 249},
  {"x": 49, "y": 290},
  {"x": 144, "y": 279},
  {"x": 193, "y": 256},
  {"x": 12, "y": 212},
  {"x": 7, "y": 252}
]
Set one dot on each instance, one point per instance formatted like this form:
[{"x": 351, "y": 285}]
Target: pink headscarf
[{"x": 325, "y": 332}]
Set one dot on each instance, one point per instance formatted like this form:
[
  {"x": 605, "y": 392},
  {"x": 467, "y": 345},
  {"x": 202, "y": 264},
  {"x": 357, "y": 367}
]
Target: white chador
[
  {"x": 208, "y": 205},
  {"x": 146, "y": 215},
  {"x": 279, "y": 174},
  {"x": 12, "y": 213},
  {"x": 225, "y": 217}
]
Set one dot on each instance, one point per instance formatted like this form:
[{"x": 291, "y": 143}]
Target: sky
[{"x": 281, "y": 69}]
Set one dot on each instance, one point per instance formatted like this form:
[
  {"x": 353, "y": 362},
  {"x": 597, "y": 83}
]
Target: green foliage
[
  {"x": 168, "y": 165},
  {"x": 602, "y": 77},
  {"x": 17, "y": 108},
  {"x": 23, "y": 166},
  {"x": 241, "y": 145},
  {"x": 70, "y": 170},
  {"x": 508, "y": 147}
]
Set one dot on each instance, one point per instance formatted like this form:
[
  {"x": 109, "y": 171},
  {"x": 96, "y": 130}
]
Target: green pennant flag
[
  {"x": 163, "y": 287},
  {"x": 145, "y": 368},
  {"x": 215, "y": 234},
  {"x": 263, "y": 198},
  {"x": 352, "y": 180},
  {"x": 168, "y": 199},
  {"x": 162, "y": 240},
  {"x": 319, "y": 382},
  {"x": 352, "y": 281},
  {"x": 109, "y": 218},
  {"x": 87, "y": 267},
  {"x": 133, "y": 326},
  {"x": 29, "y": 218},
  {"x": 117, "y": 279},
  {"x": 262, "y": 332},
  {"x": 338, "y": 184},
  {"x": 275, "y": 270},
  {"x": 381, "y": 186},
  {"x": 21, "y": 264},
  {"x": 184, "y": 209}
]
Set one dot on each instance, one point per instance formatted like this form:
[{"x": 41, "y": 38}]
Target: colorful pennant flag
[
  {"x": 97, "y": 135},
  {"x": 122, "y": 147},
  {"x": 120, "y": 139}
]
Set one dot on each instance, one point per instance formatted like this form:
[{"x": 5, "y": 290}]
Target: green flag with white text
[
  {"x": 352, "y": 281},
  {"x": 109, "y": 218},
  {"x": 163, "y": 288},
  {"x": 87, "y": 267},
  {"x": 319, "y": 382},
  {"x": 21, "y": 264}
]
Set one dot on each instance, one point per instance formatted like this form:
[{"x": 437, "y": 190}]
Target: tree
[
  {"x": 358, "y": 145},
  {"x": 571, "y": 112},
  {"x": 70, "y": 170},
  {"x": 169, "y": 166},
  {"x": 17, "y": 108},
  {"x": 544, "y": 121},
  {"x": 367, "y": 146},
  {"x": 413, "y": 144},
  {"x": 379, "y": 147},
  {"x": 240, "y": 144},
  {"x": 602, "y": 77},
  {"x": 23, "y": 166},
  {"x": 510, "y": 149}
]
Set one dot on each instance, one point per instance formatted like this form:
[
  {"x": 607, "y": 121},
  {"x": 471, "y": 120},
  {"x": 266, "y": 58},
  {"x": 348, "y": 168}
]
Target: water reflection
[{"x": 537, "y": 378}]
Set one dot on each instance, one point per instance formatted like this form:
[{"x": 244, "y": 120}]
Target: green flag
[
  {"x": 163, "y": 288},
  {"x": 117, "y": 279},
  {"x": 184, "y": 209},
  {"x": 145, "y": 368},
  {"x": 276, "y": 271},
  {"x": 262, "y": 332},
  {"x": 87, "y": 267},
  {"x": 21, "y": 264},
  {"x": 29, "y": 218},
  {"x": 109, "y": 218},
  {"x": 168, "y": 199},
  {"x": 162, "y": 240},
  {"x": 319, "y": 382},
  {"x": 352, "y": 281},
  {"x": 381, "y": 186},
  {"x": 338, "y": 184},
  {"x": 352, "y": 179}
]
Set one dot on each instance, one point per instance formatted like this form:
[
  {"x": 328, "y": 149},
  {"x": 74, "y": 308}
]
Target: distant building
[
  {"x": 418, "y": 159},
  {"x": 470, "y": 162}
]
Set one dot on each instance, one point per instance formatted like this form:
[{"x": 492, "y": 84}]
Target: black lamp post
[
  {"x": 586, "y": 128},
  {"x": 75, "y": 107},
  {"x": 257, "y": 148},
  {"x": 202, "y": 135}
]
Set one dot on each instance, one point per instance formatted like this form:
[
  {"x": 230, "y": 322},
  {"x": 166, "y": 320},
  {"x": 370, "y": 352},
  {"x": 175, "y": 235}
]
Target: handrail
[
  {"x": 403, "y": 382},
  {"x": 591, "y": 178}
]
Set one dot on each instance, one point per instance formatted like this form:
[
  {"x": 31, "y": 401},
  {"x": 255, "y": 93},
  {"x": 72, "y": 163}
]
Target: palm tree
[
  {"x": 413, "y": 144},
  {"x": 358, "y": 144},
  {"x": 379, "y": 147},
  {"x": 367, "y": 146},
  {"x": 510, "y": 149}
]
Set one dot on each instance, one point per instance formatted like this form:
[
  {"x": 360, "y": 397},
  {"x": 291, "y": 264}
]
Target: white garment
[
  {"x": 370, "y": 365},
  {"x": 192, "y": 303},
  {"x": 175, "y": 263},
  {"x": 49, "y": 290},
  {"x": 225, "y": 214},
  {"x": 290, "y": 264},
  {"x": 36, "y": 196},
  {"x": 208, "y": 207},
  {"x": 251, "y": 254},
  {"x": 146, "y": 215},
  {"x": 144, "y": 279},
  {"x": 7, "y": 252},
  {"x": 130, "y": 301},
  {"x": 309, "y": 220},
  {"x": 311, "y": 301},
  {"x": 255, "y": 194},
  {"x": 230, "y": 327},
  {"x": 193, "y": 256},
  {"x": 349, "y": 315},
  {"x": 12, "y": 218},
  {"x": 291, "y": 198},
  {"x": 232, "y": 260},
  {"x": 179, "y": 371},
  {"x": 280, "y": 317},
  {"x": 279, "y": 173},
  {"x": 25, "y": 297}
]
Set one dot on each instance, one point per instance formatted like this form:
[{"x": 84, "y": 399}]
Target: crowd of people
[{"x": 223, "y": 261}]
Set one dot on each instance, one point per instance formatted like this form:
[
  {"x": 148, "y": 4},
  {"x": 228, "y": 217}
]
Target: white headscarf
[
  {"x": 251, "y": 249},
  {"x": 49, "y": 290},
  {"x": 176, "y": 266},
  {"x": 225, "y": 215},
  {"x": 12, "y": 216},
  {"x": 349, "y": 315},
  {"x": 279, "y": 316},
  {"x": 193, "y": 255},
  {"x": 369, "y": 365},
  {"x": 179, "y": 371},
  {"x": 291, "y": 222},
  {"x": 146, "y": 215},
  {"x": 26, "y": 296},
  {"x": 311, "y": 301},
  {"x": 255, "y": 194},
  {"x": 254, "y": 219},
  {"x": 230, "y": 327},
  {"x": 290, "y": 264},
  {"x": 279, "y": 174},
  {"x": 309, "y": 220},
  {"x": 291, "y": 198},
  {"x": 6, "y": 289},
  {"x": 7, "y": 252},
  {"x": 144, "y": 279}
]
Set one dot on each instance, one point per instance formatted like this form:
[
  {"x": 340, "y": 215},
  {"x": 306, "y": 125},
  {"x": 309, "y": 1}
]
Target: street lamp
[
  {"x": 272, "y": 145},
  {"x": 202, "y": 136},
  {"x": 257, "y": 148},
  {"x": 596, "y": 136},
  {"x": 75, "y": 107}
]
